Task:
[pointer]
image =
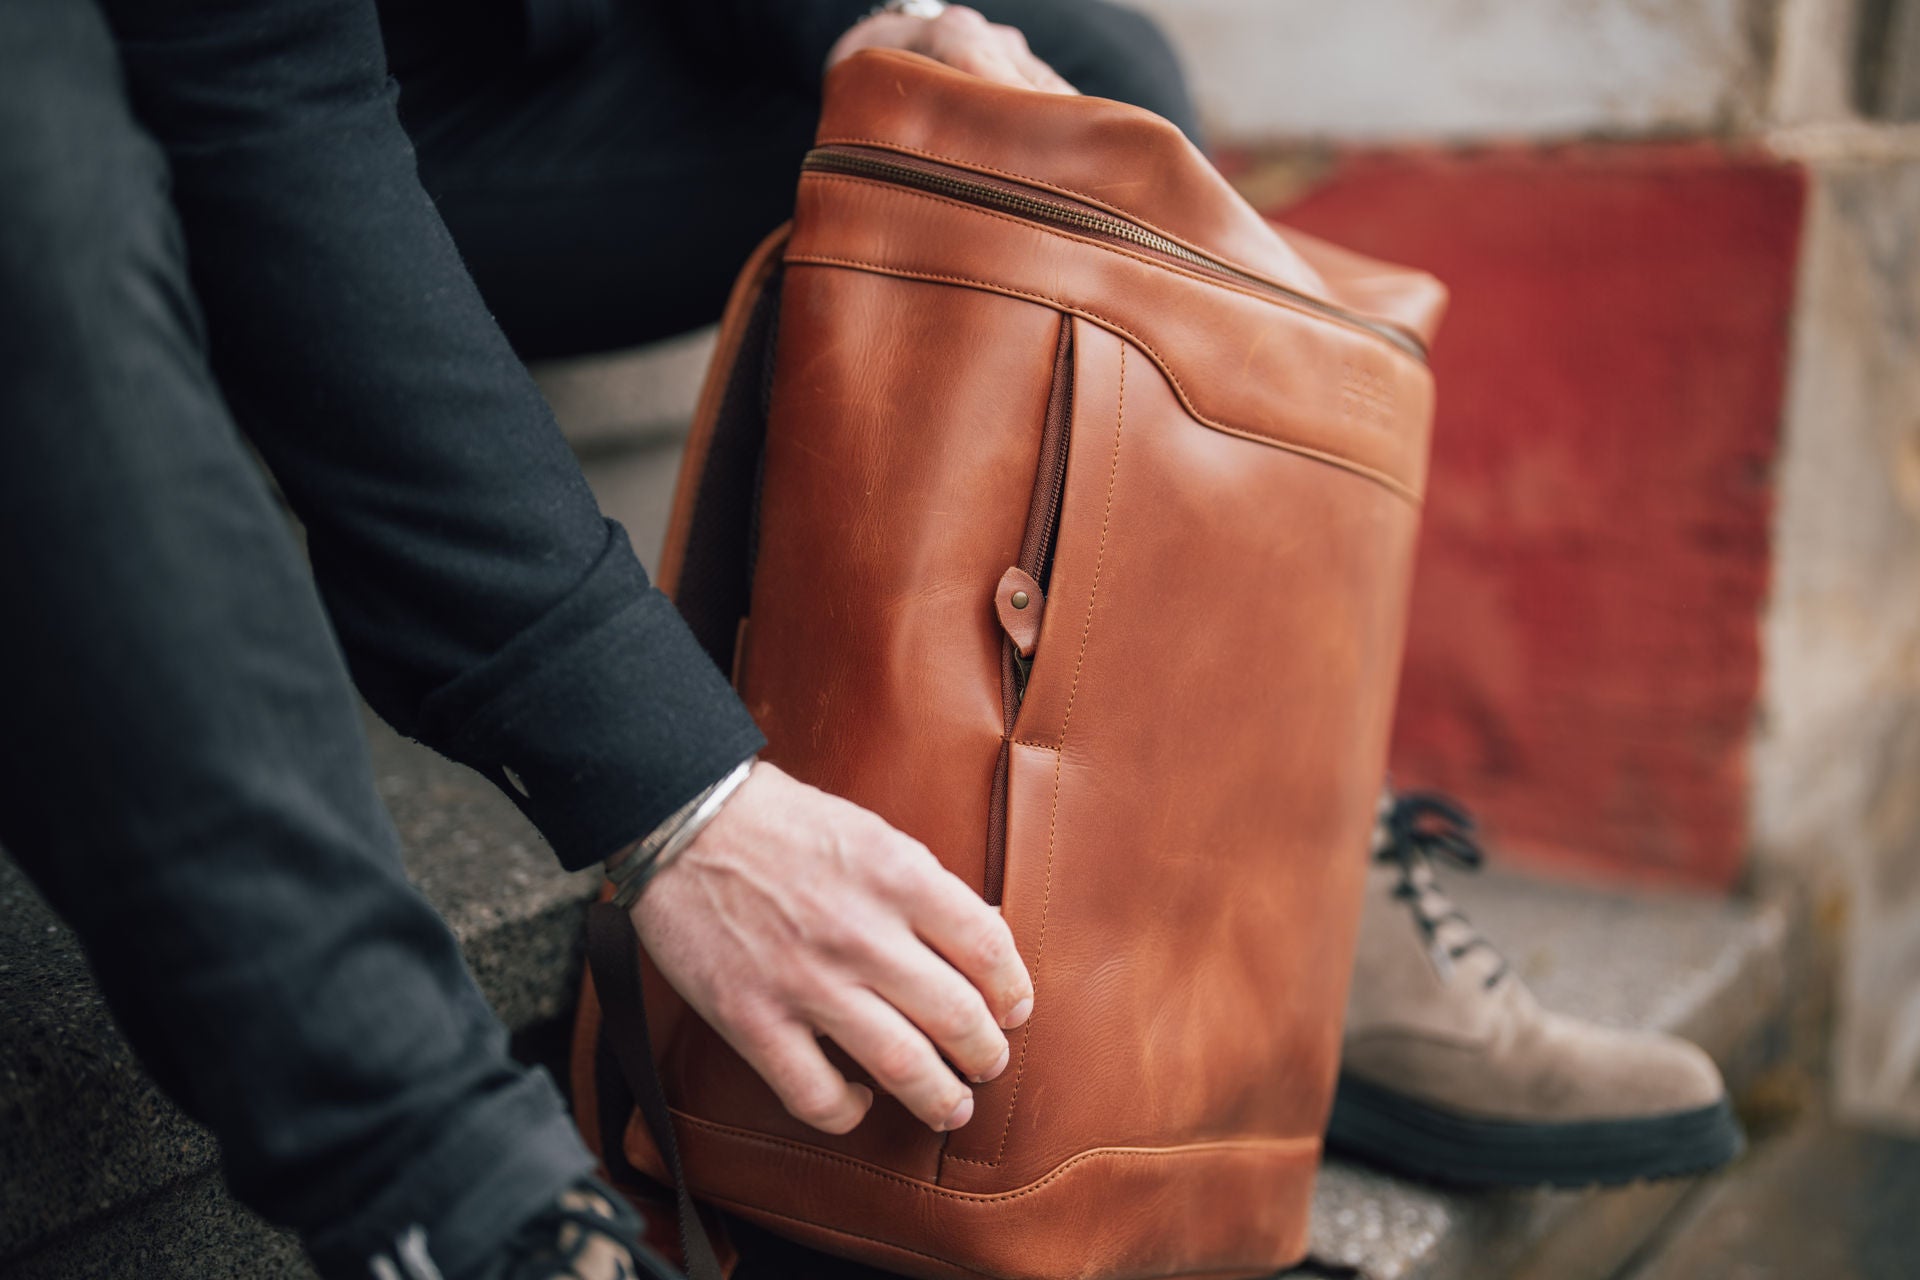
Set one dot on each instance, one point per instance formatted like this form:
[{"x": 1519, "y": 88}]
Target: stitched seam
[
  {"x": 1059, "y": 758},
  {"x": 1177, "y": 268},
  {"x": 1039, "y": 951},
  {"x": 1100, "y": 557},
  {"x": 1228, "y": 1269},
  {"x": 1293, "y": 1146},
  {"x": 1029, "y": 742},
  {"x": 1396, "y": 487}
]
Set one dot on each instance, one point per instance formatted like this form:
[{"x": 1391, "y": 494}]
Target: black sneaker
[{"x": 589, "y": 1233}]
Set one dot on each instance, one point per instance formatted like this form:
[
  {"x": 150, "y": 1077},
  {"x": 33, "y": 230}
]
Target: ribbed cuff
[{"x": 601, "y": 719}]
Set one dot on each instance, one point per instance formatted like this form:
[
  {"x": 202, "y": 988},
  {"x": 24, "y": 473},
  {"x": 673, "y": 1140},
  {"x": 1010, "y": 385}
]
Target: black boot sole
[{"x": 1411, "y": 1138}]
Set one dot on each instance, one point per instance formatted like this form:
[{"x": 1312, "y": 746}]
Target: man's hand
[
  {"x": 795, "y": 915},
  {"x": 959, "y": 37}
]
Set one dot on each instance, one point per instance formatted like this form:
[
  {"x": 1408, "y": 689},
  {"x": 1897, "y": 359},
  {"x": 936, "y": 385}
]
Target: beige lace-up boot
[{"x": 1453, "y": 1072}]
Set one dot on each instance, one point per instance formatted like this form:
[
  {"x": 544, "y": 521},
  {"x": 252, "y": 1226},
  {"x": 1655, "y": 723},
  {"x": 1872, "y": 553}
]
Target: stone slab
[
  {"x": 193, "y": 1231},
  {"x": 627, "y": 395},
  {"x": 635, "y": 484},
  {"x": 1838, "y": 748},
  {"x": 1819, "y": 1200},
  {"x": 81, "y": 1126}
]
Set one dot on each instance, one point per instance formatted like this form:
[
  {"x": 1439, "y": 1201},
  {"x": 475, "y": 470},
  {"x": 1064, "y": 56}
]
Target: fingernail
[
  {"x": 1021, "y": 1012},
  {"x": 961, "y": 1114},
  {"x": 1000, "y": 1064}
]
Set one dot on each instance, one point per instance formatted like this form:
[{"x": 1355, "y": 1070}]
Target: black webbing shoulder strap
[{"x": 613, "y": 953}]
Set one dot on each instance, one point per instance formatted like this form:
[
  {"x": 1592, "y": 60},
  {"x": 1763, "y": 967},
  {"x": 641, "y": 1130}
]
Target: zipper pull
[{"x": 1019, "y": 602}]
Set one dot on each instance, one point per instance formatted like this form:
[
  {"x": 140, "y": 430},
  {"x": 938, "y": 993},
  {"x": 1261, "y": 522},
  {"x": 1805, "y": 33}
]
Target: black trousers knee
[{"x": 190, "y": 247}]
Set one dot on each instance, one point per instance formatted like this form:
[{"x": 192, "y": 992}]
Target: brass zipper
[{"x": 1037, "y": 205}]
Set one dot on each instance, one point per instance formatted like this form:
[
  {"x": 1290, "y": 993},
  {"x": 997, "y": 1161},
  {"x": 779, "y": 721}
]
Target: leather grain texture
[{"x": 1196, "y": 749}]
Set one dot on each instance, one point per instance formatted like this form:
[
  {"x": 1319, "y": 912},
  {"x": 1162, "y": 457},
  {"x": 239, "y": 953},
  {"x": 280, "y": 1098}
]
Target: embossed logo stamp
[{"x": 1365, "y": 396}]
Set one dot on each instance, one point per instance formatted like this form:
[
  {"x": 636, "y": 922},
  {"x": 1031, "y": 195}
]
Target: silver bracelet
[
  {"x": 666, "y": 842},
  {"x": 911, "y": 8}
]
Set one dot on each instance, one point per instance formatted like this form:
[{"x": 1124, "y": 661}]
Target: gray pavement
[{"x": 1820, "y": 1200}]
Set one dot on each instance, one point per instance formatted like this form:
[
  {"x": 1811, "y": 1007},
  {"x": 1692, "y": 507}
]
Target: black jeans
[
  {"x": 210, "y": 219},
  {"x": 606, "y": 198}
]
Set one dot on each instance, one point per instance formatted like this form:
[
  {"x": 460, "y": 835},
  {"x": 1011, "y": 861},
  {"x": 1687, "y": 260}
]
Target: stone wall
[{"x": 1837, "y": 750}]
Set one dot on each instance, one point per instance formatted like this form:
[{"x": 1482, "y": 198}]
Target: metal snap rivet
[{"x": 1019, "y": 599}]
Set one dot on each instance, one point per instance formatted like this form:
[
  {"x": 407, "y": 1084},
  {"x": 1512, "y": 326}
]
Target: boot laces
[
  {"x": 588, "y": 1234},
  {"x": 1418, "y": 829}
]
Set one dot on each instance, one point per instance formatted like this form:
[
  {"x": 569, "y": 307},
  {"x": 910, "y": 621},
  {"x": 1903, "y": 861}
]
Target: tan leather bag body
[{"x": 1017, "y": 343}]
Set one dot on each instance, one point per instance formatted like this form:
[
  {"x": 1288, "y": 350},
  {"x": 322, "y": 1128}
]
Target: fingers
[
  {"x": 1043, "y": 77},
  {"x": 964, "y": 39},
  {"x": 901, "y": 1059},
  {"x": 1037, "y": 73},
  {"x": 975, "y": 939},
  {"x": 789, "y": 1059},
  {"x": 945, "y": 1006},
  {"x": 977, "y": 57},
  {"x": 796, "y": 914}
]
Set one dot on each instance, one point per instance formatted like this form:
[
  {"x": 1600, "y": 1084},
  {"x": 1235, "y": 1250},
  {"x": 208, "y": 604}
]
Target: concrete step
[
  {"x": 633, "y": 480},
  {"x": 622, "y": 396},
  {"x": 1820, "y": 1198}
]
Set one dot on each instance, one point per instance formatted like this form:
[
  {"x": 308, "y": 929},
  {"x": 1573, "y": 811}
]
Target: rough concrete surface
[
  {"x": 1815, "y": 48},
  {"x": 1838, "y": 749},
  {"x": 81, "y": 1126},
  {"x": 623, "y": 395},
  {"x": 192, "y": 1231},
  {"x": 634, "y": 484},
  {"x": 1820, "y": 1200}
]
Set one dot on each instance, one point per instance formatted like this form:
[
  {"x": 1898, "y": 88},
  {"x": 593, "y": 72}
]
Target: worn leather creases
[
  {"x": 1404, "y": 489},
  {"x": 1184, "y": 776}
]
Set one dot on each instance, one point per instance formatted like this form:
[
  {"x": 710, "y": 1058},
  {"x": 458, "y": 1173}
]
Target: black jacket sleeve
[{"x": 484, "y": 604}]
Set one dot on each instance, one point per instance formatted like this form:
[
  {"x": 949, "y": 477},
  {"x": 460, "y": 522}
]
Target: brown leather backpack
[{"x": 1052, "y": 504}]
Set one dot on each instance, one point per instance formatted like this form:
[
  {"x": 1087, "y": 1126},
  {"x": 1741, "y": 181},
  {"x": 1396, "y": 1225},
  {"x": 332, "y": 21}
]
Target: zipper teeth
[
  {"x": 1052, "y": 470},
  {"x": 1043, "y": 209}
]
